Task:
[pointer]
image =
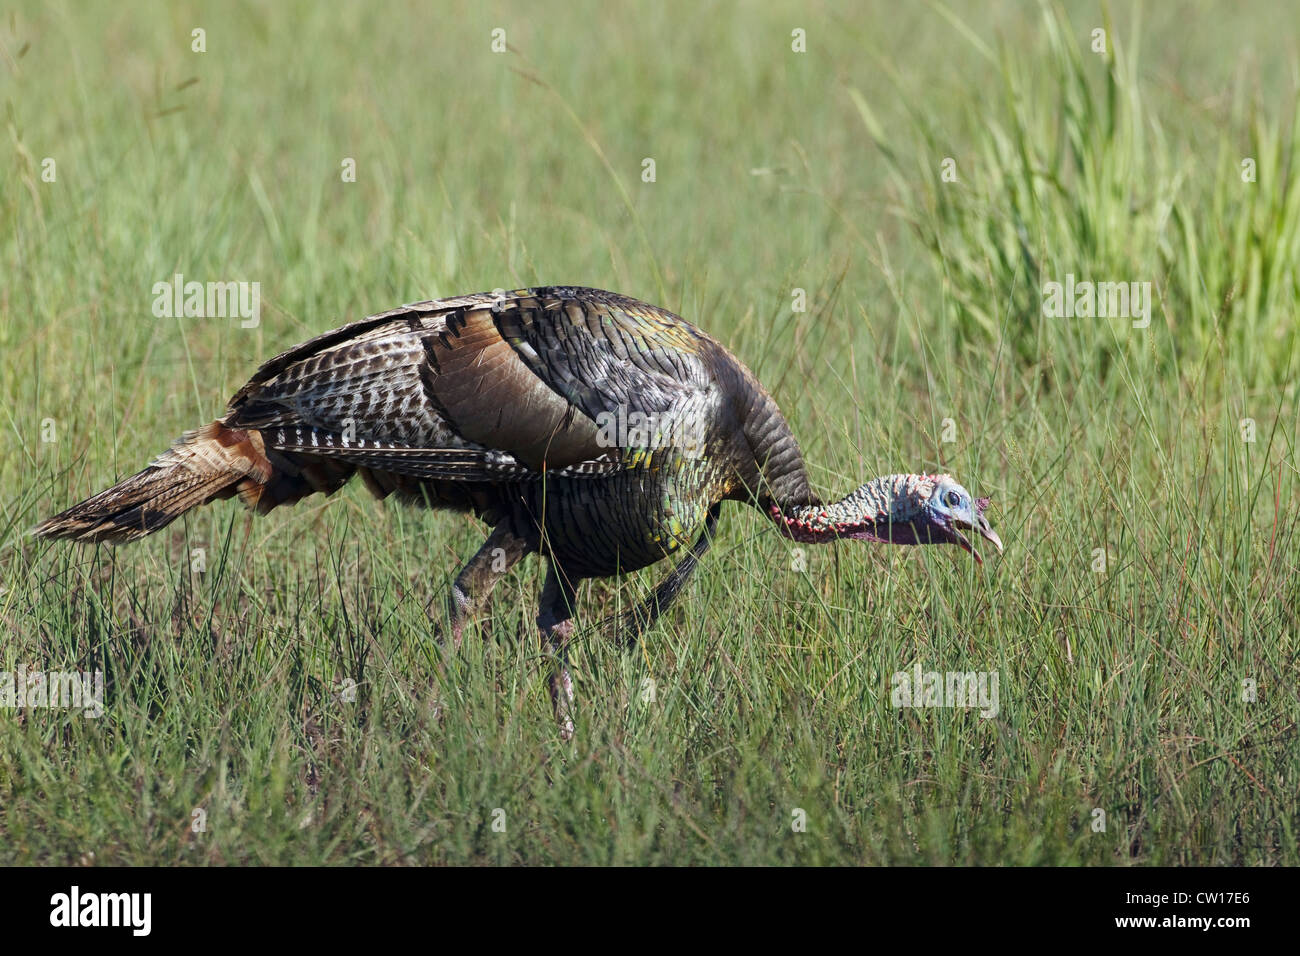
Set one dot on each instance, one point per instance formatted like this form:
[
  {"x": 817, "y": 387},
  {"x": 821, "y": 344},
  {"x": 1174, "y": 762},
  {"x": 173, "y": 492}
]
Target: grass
[{"x": 289, "y": 691}]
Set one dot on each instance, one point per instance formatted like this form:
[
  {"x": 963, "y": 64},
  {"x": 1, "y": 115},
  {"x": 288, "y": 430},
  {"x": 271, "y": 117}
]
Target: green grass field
[{"x": 286, "y": 704}]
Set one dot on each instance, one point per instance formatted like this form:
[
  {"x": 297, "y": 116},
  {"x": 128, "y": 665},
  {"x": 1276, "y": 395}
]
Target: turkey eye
[{"x": 953, "y": 499}]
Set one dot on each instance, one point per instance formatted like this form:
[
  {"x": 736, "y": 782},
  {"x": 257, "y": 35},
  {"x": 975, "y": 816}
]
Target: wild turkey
[{"x": 596, "y": 430}]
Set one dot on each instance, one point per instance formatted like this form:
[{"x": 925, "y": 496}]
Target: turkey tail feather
[{"x": 215, "y": 461}]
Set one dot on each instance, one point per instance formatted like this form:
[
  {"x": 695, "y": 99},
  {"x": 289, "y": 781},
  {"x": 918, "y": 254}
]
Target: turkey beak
[
  {"x": 981, "y": 525},
  {"x": 986, "y": 530}
]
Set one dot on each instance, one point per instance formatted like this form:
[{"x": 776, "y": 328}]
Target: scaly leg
[
  {"x": 555, "y": 621},
  {"x": 502, "y": 550}
]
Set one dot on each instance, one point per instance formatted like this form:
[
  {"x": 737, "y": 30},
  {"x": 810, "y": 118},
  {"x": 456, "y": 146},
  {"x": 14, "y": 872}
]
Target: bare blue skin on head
[
  {"x": 944, "y": 517},
  {"x": 897, "y": 509}
]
